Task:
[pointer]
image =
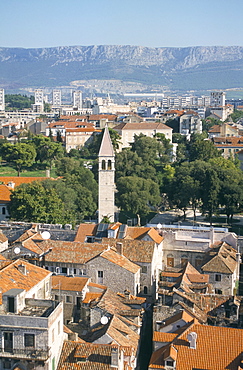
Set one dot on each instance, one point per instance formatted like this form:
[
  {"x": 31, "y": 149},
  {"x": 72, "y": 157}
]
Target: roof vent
[{"x": 192, "y": 338}]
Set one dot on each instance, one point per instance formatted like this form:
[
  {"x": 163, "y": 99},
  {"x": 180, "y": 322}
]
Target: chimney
[
  {"x": 119, "y": 248},
  {"x": 192, "y": 339},
  {"x": 11, "y": 184},
  {"x": 22, "y": 269},
  {"x": 127, "y": 294},
  {"x": 73, "y": 337},
  {"x": 114, "y": 357}
]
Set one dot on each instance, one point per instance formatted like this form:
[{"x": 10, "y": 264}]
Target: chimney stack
[
  {"x": 119, "y": 248},
  {"x": 192, "y": 339},
  {"x": 22, "y": 269}
]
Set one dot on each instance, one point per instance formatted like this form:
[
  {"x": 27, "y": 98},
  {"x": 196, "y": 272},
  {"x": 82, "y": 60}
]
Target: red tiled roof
[
  {"x": 120, "y": 260},
  {"x": 75, "y": 284},
  {"x": 85, "y": 230},
  {"x": 217, "y": 348}
]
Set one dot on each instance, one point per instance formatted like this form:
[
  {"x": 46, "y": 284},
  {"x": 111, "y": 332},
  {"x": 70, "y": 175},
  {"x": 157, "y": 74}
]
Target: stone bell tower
[{"x": 106, "y": 157}]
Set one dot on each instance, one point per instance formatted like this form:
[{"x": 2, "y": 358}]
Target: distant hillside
[{"x": 196, "y": 68}]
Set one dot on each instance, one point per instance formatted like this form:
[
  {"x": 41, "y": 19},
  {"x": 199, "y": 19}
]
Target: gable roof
[
  {"x": 120, "y": 260},
  {"x": 70, "y": 252},
  {"x": 134, "y": 250},
  {"x": 223, "y": 262},
  {"x": 144, "y": 125},
  {"x": 85, "y": 230}
]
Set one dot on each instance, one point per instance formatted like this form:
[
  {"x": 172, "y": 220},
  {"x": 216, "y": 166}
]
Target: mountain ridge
[{"x": 203, "y": 66}]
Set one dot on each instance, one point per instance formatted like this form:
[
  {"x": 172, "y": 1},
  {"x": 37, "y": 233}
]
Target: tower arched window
[
  {"x": 103, "y": 164},
  {"x": 109, "y": 164}
]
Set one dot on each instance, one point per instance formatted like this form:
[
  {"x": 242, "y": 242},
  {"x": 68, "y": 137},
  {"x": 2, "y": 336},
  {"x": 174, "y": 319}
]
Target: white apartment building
[
  {"x": 217, "y": 99},
  {"x": 39, "y": 101},
  {"x": 77, "y": 100},
  {"x": 56, "y": 98},
  {"x": 2, "y": 100}
]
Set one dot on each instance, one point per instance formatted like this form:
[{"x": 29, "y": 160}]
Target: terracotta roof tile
[
  {"x": 12, "y": 277},
  {"x": 217, "y": 348},
  {"x": 71, "y": 252},
  {"x": 5, "y": 193},
  {"x": 75, "y": 284},
  {"x": 85, "y": 230},
  {"x": 85, "y": 356},
  {"x": 134, "y": 250},
  {"x": 120, "y": 260}
]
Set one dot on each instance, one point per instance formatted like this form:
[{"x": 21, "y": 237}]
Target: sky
[{"x": 152, "y": 23}]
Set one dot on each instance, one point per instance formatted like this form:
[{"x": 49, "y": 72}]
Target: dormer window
[{"x": 170, "y": 363}]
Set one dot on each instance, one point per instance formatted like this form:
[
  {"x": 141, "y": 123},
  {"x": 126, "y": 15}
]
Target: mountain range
[{"x": 189, "y": 68}]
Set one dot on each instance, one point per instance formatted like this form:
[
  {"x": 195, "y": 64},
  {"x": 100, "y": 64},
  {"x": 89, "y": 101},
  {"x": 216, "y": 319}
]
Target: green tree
[
  {"x": 19, "y": 155},
  {"x": 203, "y": 150},
  {"x": 137, "y": 195},
  {"x": 47, "y": 150},
  {"x": 34, "y": 203},
  {"x": 209, "y": 187},
  {"x": 128, "y": 163},
  {"x": 146, "y": 148}
]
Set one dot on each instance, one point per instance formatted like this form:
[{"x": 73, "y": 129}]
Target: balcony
[{"x": 25, "y": 353}]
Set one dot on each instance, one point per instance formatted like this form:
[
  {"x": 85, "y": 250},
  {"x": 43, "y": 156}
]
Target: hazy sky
[{"x": 154, "y": 23}]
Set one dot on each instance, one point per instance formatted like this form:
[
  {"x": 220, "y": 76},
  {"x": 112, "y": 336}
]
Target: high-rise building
[
  {"x": 2, "y": 100},
  {"x": 106, "y": 157},
  {"x": 56, "y": 98},
  {"x": 39, "y": 101},
  {"x": 77, "y": 100},
  {"x": 217, "y": 99}
]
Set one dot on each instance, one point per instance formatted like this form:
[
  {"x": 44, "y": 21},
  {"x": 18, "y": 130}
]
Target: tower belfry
[{"x": 106, "y": 158}]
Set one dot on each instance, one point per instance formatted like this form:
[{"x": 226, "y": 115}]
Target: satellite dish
[
  {"x": 16, "y": 250},
  {"x": 45, "y": 235},
  {"x": 104, "y": 320}
]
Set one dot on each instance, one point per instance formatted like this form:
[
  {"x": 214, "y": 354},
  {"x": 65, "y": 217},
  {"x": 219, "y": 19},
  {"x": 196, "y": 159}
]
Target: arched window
[
  {"x": 103, "y": 164},
  {"x": 109, "y": 164},
  {"x": 3, "y": 211},
  {"x": 145, "y": 290}
]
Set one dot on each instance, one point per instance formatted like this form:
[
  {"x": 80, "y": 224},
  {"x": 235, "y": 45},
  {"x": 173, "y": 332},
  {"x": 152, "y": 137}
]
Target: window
[
  {"x": 7, "y": 363},
  {"x": 103, "y": 164},
  {"x": 144, "y": 269},
  {"x": 56, "y": 298},
  {"x": 68, "y": 299},
  {"x": 184, "y": 260},
  {"x": 170, "y": 261},
  {"x": 29, "y": 340},
  {"x": 3, "y": 211},
  {"x": 145, "y": 290},
  {"x": 100, "y": 277},
  {"x": 64, "y": 270},
  {"x": 217, "y": 277},
  {"x": 218, "y": 291},
  {"x": 109, "y": 164},
  {"x": 169, "y": 363}
]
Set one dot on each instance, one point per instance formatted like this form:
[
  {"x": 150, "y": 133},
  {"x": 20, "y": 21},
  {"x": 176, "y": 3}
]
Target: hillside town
[{"x": 133, "y": 278}]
